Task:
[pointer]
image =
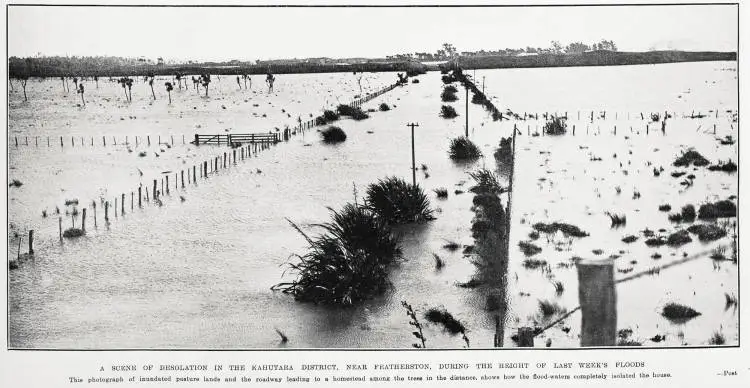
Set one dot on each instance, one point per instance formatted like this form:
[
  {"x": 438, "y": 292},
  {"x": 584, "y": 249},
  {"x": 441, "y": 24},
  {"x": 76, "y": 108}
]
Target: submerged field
[{"x": 197, "y": 273}]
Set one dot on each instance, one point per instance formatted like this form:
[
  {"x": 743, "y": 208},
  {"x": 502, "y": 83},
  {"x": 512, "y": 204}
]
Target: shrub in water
[
  {"x": 678, "y": 238},
  {"x": 441, "y": 192},
  {"x": 398, "y": 202},
  {"x": 724, "y": 208},
  {"x": 675, "y": 311},
  {"x": 384, "y": 107},
  {"x": 330, "y": 115},
  {"x": 73, "y": 232},
  {"x": 320, "y": 120},
  {"x": 450, "y": 89},
  {"x": 15, "y": 183},
  {"x": 566, "y": 229},
  {"x": 689, "y": 157},
  {"x": 448, "y": 96},
  {"x": 443, "y": 317},
  {"x": 688, "y": 213},
  {"x": 707, "y": 232},
  {"x": 347, "y": 263},
  {"x": 448, "y": 112},
  {"x": 333, "y": 134},
  {"x": 355, "y": 113},
  {"x": 556, "y": 126},
  {"x": 461, "y": 148},
  {"x": 729, "y": 166}
]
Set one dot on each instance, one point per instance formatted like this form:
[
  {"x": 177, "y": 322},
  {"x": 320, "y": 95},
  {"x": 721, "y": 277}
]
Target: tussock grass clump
[
  {"x": 689, "y": 157},
  {"x": 73, "y": 232},
  {"x": 451, "y": 246},
  {"x": 486, "y": 183},
  {"x": 348, "y": 262},
  {"x": 461, "y": 148},
  {"x": 398, "y": 202},
  {"x": 617, "y": 220},
  {"x": 415, "y": 81},
  {"x": 439, "y": 262},
  {"x": 567, "y": 229},
  {"x": 717, "y": 339},
  {"x": 528, "y": 248},
  {"x": 447, "y": 95},
  {"x": 320, "y": 120},
  {"x": 665, "y": 208},
  {"x": 687, "y": 213},
  {"x": 330, "y": 115},
  {"x": 446, "y": 319},
  {"x": 629, "y": 239},
  {"x": 731, "y": 300},
  {"x": 354, "y": 113},
  {"x": 559, "y": 287},
  {"x": 333, "y": 135},
  {"x": 556, "y": 126},
  {"x": 678, "y": 312},
  {"x": 69, "y": 202},
  {"x": 15, "y": 183},
  {"x": 656, "y": 241},
  {"x": 448, "y": 112},
  {"x": 678, "y": 238},
  {"x": 441, "y": 192},
  {"x": 707, "y": 232},
  {"x": 729, "y": 166},
  {"x": 548, "y": 308},
  {"x": 534, "y": 263},
  {"x": 384, "y": 107},
  {"x": 720, "y": 209}
]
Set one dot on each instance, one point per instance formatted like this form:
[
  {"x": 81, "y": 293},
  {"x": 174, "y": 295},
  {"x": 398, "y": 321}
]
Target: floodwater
[{"x": 197, "y": 273}]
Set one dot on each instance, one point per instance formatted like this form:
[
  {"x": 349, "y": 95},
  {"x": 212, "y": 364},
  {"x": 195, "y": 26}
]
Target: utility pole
[
  {"x": 413, "y": 166},
  {"x": 482, "y": 84}
]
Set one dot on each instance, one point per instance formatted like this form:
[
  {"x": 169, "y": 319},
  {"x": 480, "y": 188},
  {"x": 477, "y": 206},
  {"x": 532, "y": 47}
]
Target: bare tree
[
  {"x": 205, "y": 81},
  {"x": 79, "y": 89},
  {"x": 151, "y": 84},
  {"x": 169, "y": 91},
  {"x": 239, "y": 85}
]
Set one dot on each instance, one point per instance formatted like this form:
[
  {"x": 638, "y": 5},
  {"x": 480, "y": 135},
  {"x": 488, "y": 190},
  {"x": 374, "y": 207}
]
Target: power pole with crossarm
[{"x": 413, "y": 167}]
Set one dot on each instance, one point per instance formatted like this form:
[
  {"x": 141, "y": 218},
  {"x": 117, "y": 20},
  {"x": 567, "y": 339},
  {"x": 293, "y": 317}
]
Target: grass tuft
[
  {"x": 398, "y": 202},
  {"x": 446, "y": 319},
  {"x": 448, "y": 112},
  {"x": 333, "y": 134},
  {"x": 556, "y": 126},
  {"x": 354, "y": 113},
  {"x": 461, "y": 148},
  {"x": 548, "y": 308},
  {"x": 707, "y": 232},
  {"x": 528, "y": 248},
  {"x": 617, "y": 220},
  {"x": 689, "y": 157},
  {"x": 441, "y": 192},
  {"x": 347, "y": 263},
  {"x": 384, "y": 107},
  {"x": 567, "y": 229},
  {"x": 73, "y": 233},
  {"x": 678, "y": 312}
]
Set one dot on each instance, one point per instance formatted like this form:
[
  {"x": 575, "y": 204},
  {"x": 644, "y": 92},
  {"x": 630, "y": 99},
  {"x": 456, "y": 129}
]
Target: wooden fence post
[
  {"x": 598, "y": 299},
  {"x": 139, "y": 196},
  {"x": 83, "y": 220},
  {"x": 59, "y": 223},
  {"x": 525, "y": 337},
  {"x": 31, "y": 240}
]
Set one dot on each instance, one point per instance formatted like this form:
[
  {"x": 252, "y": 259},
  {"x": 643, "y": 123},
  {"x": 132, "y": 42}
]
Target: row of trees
[{"x": 449, "y": 51}]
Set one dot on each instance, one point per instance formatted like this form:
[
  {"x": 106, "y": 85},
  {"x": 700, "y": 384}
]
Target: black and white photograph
[{"x": 401, "y": 177}]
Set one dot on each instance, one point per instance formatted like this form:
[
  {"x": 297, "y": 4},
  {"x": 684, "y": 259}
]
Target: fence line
[{"x": 162, "y": 186}]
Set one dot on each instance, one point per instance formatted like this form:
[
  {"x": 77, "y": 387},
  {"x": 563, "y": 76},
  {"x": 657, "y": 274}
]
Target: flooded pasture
[{"x": 196, "y": 272}]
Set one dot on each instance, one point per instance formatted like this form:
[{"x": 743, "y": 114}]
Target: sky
[{"x": 220, "y": 34}]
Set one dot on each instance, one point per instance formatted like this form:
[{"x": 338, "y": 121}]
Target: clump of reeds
[
  {"x": 461, "y": 148},
  {"x": 559, "y": 287},
  {"x": 629, "y": 239},
  {"x": 549, "y": 308},
  {"x": 720, "y": 209},
  {"x": 729, "y": 166},
  {"x": 330, "y": 115},
  {"x": 616, "y": 220},
  {"x": 441, "y": 192},
  {"x": 567, "y": 229},
  {"x": 73, "y": 232},
  {"x": 486, "y": 182},
  {"x": 414, "y": 321},
  {"x": 528, "y": 248},
  {"x": 691, "y": 156},
  {"x": 439, "y": 262},
  {"x": 556, "y": 126},
  {"x": 384, "y": 107},
  {"x": 678, "y": 312},
  {"x": 398, "y": 202},
  {"x": 678, "y": 238},
  {"x": 15, "y": 183},
  {"x": 665, "y": 208},
  {"x": 451, "y": 246},
  {"x": 656, "y": 241},
  {"x": 354, "y": 113},
  {"x": 447, "y": 95},
  {"x": 534, "y": 263},
  {"x": 446, "y": 319},
  {"x": 731, "y": 300},
  {"x": 348, "y": 262},
  {"x": 333, "y": 135},
  {"x": 707, "y": 232},
  {"x": 448, "y": 112},
  {"x": 717, "y": 339}
]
